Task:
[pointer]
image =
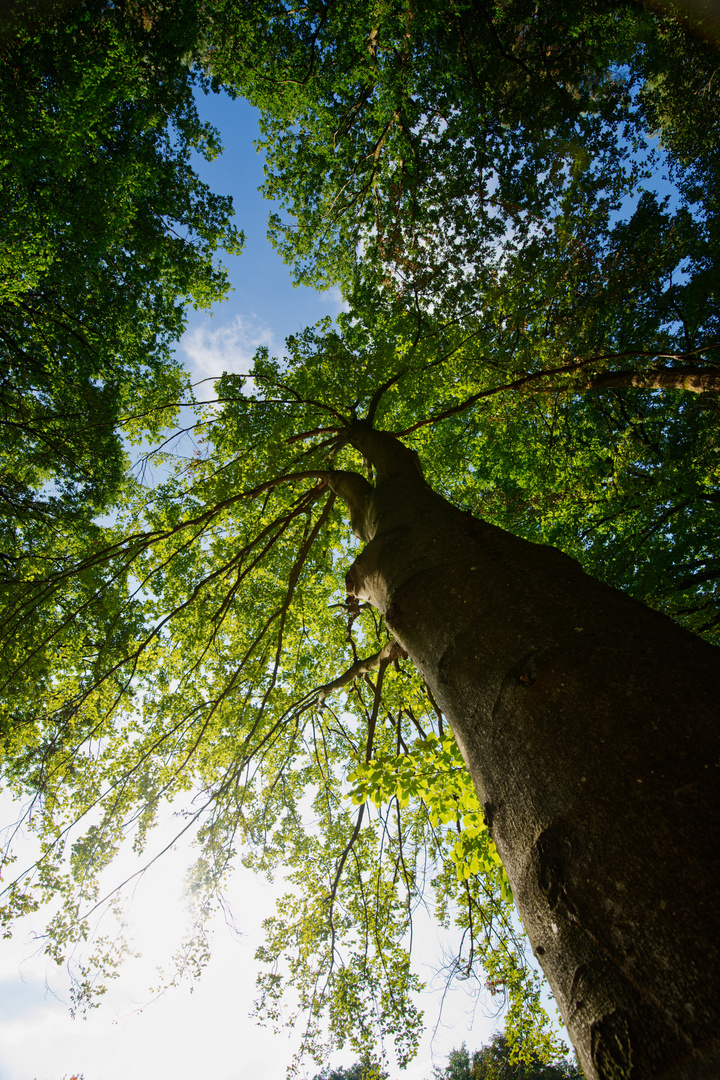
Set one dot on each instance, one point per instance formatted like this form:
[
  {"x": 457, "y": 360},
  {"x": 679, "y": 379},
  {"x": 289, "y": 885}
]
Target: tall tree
[
  {"x": 587, "y": 722},
  {"x": 514, "y": 331}
]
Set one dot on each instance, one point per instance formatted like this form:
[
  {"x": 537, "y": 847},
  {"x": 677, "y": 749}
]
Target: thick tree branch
[
  {"x": 355, "y": 491},
  {"x": 697, "y": 380},
  {"x": 390, "y": 458},
  {"x": 391, "y": 651},
  {"x": 694, "y": 379}
]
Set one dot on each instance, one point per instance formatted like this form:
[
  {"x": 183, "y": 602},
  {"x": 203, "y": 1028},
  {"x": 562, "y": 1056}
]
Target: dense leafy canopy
[
  {"x": 486, "y": 168},
  {"x": 107, "y": 235},
  {"x": 430, "y": 141},
  {"x": 541, "y": 331}
]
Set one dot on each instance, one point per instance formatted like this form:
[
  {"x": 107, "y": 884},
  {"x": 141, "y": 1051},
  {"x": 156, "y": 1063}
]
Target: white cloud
[
  {"x": 335, "y": 296},
  {"x": 210, "y": 350}
]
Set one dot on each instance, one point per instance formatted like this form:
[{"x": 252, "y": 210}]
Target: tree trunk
[{"x": 589, "y": 725}]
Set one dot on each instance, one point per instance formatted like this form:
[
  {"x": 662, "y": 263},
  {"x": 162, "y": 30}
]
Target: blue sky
[{"x": 264, "y": 307}]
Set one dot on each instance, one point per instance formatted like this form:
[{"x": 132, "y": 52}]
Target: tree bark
[
  {"x": 589, "y": 724},
  {"x": 696, "y": 380}
]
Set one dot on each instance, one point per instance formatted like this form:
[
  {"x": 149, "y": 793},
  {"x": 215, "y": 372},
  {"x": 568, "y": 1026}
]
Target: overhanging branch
[{"x": 389, "y": 652}]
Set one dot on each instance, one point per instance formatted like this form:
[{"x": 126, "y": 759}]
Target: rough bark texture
[
  {"x": 696, "y": 380},
  {"x": 590, "y": 727}
]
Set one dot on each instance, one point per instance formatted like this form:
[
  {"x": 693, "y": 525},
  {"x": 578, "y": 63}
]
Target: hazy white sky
[
  {"x": 183, "y": 1033},
  {"x": 187, "y": 1031},
  {"x": 204, "y": 1031}
]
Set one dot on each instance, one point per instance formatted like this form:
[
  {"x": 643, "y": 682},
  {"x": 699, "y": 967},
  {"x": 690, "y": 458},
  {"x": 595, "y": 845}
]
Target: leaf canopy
[
  {"x": 544, "y": 339},
  {"x": 107, "y": 236}
]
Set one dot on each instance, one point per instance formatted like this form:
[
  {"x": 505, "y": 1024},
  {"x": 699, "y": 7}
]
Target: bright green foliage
[
  {"x": 424, "y": 130},
  {"x": 210, "y": 688},
  {"x": 185, "y": 655},
  {"x": 107, "y": 236},
  {"x": 434, "y": 771}
]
